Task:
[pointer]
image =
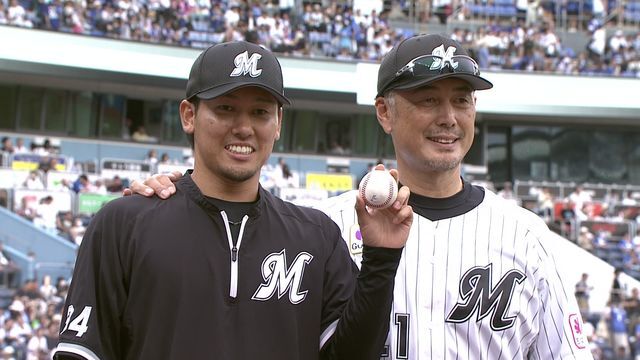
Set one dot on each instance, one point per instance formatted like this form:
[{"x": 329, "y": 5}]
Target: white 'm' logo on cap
[
  {"x": 447, "y": 57},
  {"x": 246, "y": 65}
]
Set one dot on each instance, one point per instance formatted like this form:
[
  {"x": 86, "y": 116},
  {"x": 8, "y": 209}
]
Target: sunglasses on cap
[{"x": 430, "y": 65}]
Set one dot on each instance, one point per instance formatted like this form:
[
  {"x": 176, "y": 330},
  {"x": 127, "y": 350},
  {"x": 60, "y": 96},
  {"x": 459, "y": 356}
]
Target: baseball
[{"x": 378, "y": 189}]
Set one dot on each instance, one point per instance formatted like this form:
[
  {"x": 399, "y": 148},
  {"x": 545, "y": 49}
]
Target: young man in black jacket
[{"x": 223, "y": 269}]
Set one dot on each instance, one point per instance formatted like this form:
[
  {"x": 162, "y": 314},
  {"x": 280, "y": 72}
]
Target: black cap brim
[
  {"x": 227, "y": 88},
  {"x": 476, "y": 82}
]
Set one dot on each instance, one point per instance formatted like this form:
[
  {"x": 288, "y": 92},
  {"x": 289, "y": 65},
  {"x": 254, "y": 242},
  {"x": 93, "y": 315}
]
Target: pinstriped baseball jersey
[{"x": 477, "y": 280}]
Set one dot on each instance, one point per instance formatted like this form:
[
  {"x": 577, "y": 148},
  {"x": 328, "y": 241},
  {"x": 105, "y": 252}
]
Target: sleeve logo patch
[
  {"x": 355, "y": 240},
  {"x": 577, "y": 332}
]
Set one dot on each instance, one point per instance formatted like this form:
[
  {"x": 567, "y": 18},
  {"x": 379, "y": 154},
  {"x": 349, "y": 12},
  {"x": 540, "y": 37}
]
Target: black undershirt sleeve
[{"x": 364, "y": 323}]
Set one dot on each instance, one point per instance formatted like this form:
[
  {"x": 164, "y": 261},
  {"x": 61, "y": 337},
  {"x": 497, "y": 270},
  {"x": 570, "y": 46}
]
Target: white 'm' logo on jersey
[
  {"x": 478, "y": 295},
  {"x": 246, "y": 65},
  {"x": 282, "y": 280},
  {"x": 447, "y": 57}
]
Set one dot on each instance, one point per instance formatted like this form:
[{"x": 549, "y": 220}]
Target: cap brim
[
  {"x": 476, "y": 82},
  {"x": 227, "y": 88}
]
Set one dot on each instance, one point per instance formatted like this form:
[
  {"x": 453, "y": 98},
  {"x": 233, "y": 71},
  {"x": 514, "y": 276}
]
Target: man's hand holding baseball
[{"x": 389, "y": 227}]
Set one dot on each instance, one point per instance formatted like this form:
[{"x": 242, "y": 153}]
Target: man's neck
[
  {"x": 437, "y": 185},
  {"x": 224, "y": 189}
]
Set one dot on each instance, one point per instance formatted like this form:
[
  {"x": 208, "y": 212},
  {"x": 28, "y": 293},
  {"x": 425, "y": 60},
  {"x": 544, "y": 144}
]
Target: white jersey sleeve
[
  {"x": 561, "y": 326},
  {"x": 341, "y": 209}
]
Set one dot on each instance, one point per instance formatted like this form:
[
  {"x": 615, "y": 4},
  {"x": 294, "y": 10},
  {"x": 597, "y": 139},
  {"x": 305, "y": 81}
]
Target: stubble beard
[
  {"x": 442, "y": 164},
  {"x": 237, "y": 175}
]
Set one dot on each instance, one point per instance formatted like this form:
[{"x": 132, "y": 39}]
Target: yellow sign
[
  {"x": 329, "y": 182},
  {"x": 32, "y": 162}
]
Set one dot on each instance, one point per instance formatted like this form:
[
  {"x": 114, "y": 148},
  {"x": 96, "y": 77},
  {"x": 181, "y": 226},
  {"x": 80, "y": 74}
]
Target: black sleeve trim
[{"x": 69, "y": 351}]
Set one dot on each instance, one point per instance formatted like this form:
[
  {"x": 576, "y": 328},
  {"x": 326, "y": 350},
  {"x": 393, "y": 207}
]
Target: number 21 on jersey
[{"x": 402, "y": 337}]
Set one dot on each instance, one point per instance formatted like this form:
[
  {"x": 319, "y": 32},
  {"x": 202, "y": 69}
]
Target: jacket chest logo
[{"x": 280, "y": 279}]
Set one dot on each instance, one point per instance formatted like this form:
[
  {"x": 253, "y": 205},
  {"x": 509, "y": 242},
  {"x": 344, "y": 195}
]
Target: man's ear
[
  {"x": 383, "y": 113},
  {"x": 279, "y": 125},
  {"x": 187, "y": 116}
]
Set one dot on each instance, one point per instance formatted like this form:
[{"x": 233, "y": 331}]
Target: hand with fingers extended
[
  {"x": 388, "y": 227},
  {"x": 159, "y": 184}
]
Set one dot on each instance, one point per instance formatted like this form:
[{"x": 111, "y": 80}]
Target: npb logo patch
[{"x": 577, "y": 331}]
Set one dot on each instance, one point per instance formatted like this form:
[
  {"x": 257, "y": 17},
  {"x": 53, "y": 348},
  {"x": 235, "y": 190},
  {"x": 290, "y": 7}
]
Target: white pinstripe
[{"x": 427, "y": 287}]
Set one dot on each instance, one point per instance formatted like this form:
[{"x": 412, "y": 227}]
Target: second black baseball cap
[
  {"x": 410, "y": 49},
  {"x": 228, "y": 66}
]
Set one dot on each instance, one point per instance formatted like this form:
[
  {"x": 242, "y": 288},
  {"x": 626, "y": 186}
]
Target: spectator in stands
[
  {"x": 64, "y": 221},
  {"x": 369, "y": 168},
  {"x": 7, "y": 146},
  {"x": 47, "y": 163},
  {"x": 165, "y": 159},
  {"x": 20, "y": 148},
  {"x": 3, "y": 14},
  {"x": 625, "y": 245},
  {"x": 567, "y": 218},
  {"x": 9, "y": 270},
  {"x": 99, "y": 187},
  {"x": 46, "y": 149},
  {"x": 632, "y": 305},
  {"x": 76, "y": 232},
  {"x": 595, "y": 343},
  {"x": 140, "y": 135},
  {"x": 617, "y": 319},
  {"x": 636, "y": 341},
  {"x": 579, "y": 197},
  {"x": 38, "y": 346},
  {"x": 188, "y": 159},
  {"x": 582, "y": 292},
  {"x": 335, "y": 148},
  {"x": 152, "y": 157},
  {"x": 17, "y": 15},
  {"x": 47, "y": 215},
  {"x": 81, "y": 185},
  {"x": 636, "y": 240},
  {"x": 507, "y": 191},
  {"x": 127, "y": 129},
  {"x": 617, "y": 292},
  {"x": 30, "y": 289},
  {"x": 286, "y": 178},
  {"x": 115, "y": 185},
  {"x": 27, "y": 207},
  {"x": 585, "y": 239},
  {"x": 627, "y": 200},
  {"x": 33, "y": 181},
  {"x": 47, "y": 289},
  {"x": 545, "y": 204}
]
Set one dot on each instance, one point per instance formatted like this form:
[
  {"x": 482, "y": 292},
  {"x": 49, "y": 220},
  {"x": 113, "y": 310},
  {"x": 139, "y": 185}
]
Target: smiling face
[
  {"x": 234, "y": 134},
  {"x": 432, "y": 128}
]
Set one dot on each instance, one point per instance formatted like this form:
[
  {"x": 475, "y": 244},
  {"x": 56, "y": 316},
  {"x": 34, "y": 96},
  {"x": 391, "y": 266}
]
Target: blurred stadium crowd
[
  {"x": 507, "y": 34},
  {"x": 602, "y": 219}
]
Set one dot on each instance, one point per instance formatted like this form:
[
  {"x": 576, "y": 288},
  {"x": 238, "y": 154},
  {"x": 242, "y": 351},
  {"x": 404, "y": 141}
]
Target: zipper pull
[{"x": 234, "y": 254}]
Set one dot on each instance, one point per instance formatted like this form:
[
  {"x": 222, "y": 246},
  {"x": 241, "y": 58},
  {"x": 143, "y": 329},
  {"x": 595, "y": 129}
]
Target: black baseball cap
[
  {"x": 451, "y": 60},
  {"x": 225, "y": 67}
]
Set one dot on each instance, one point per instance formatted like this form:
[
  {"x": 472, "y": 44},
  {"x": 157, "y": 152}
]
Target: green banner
[{"x": 91, "y": 203}]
